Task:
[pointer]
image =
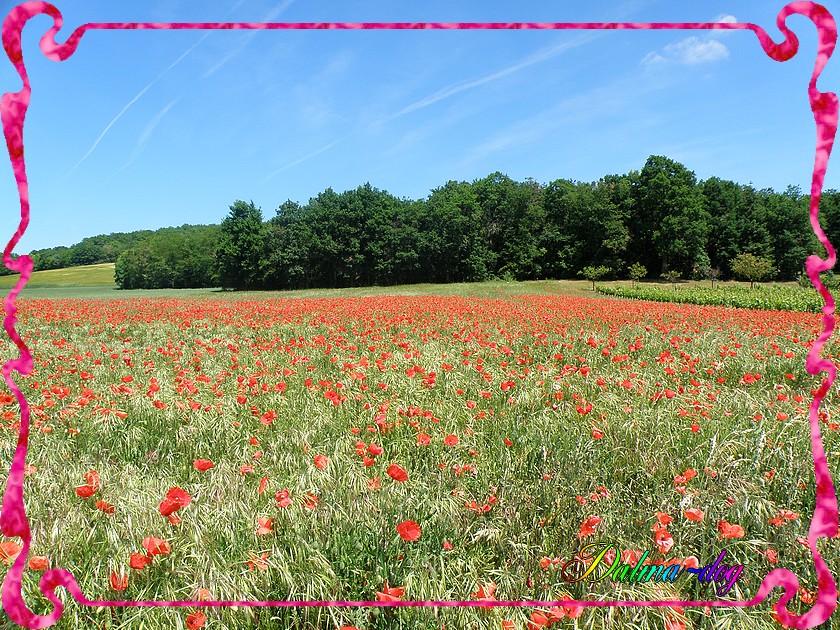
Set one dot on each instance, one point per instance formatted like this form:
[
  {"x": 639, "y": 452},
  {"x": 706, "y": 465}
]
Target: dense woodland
[{"x": 495, "y": 227}]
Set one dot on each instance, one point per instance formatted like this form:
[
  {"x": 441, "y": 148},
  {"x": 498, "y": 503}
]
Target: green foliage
[
  {"x": 752, "y": 268},
  {"x": 176, "y": 258},
  {"x": 672, "y": 277},
  {"x": 593, "y": 274},
  {"x": 776, "y": 298},
  {"x": 660, "y": 218},
  {"x": 828, "y": 278},
  {"x": 241, "y": 247},
  {"x": 637, "y": 272}
]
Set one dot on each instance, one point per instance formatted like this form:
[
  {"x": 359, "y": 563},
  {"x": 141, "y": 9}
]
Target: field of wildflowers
[{"x": 412, "y": 448}]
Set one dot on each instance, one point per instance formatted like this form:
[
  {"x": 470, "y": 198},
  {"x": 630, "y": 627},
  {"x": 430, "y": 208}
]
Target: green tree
[
  {"x": 670, "y": 226},
  {"x": 593, "y": 274},
  {"x": 752, "y": 268},
  {"x": 637, "y": 272},
  {"x": 241, "y": 247}
]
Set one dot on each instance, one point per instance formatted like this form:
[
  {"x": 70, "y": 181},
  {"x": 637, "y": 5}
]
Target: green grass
[
  {"x": 87, "y": 276},
  {"x": 789, "y": 297}
]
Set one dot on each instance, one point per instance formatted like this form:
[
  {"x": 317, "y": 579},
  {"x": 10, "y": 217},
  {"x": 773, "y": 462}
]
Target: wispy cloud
[
  {"x": 128, "y": 105},
  {"x": 246, "y": 38},
  {"x": 144, "y": 136},
  {"x": 306, "y": 157},
  {"x": 449, "y": 91},
  {"x": 452, "y": 90}
]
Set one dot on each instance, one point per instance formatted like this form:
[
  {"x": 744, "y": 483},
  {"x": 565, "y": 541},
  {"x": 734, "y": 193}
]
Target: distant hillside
[
  {"x": 101, "y": 275},
  {"x": 95, "y": 250}
]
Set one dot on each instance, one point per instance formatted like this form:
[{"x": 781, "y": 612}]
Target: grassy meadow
[{"x": 429, "y": 442}]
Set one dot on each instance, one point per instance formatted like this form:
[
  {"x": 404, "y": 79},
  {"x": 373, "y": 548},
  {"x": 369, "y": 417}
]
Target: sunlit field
[{"x": 447, "y": 447}]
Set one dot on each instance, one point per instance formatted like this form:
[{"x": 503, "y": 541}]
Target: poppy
[
  {"x": 664, "y": 541},
  {"x": 282, "y": 499},
  {"x": 196, "y": 620},
  {"x": 587, "y": 528},
  {"x": 203, "y": 464},
  {"x": 118, "y": 582},
  {"x": 538, "y": 620},
  {"x": 258, "y": 563},
  {"x": 485, "y": 593},
  {"x": 409, "y": 530},
  {"x": 694, "y": 514},
  {"x": 156, "y": 546},
  {"x": 39, "y": 563},
  {"x": 397, "y": 473},
  {"x": 139, "y": 561},
  {"x": 105, "y": 507},
  {"x": 9, "y": 550},
  {"x": 264, "y": 525},
  {"x": 727, "y": 530},
  {"x": 321, "y": 461},
  {"x": 423, "y": 439},
  {"x": 176, "y": 498},
  {"x": 450, "y": 440},
  {"x": 92, "y": 478},
  {"x": 390, "y": 594},
  {"x": 85, "y": 491}
]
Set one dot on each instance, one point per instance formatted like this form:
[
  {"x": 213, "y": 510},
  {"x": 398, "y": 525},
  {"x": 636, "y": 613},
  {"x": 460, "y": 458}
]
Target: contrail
[{"x": 129, "y": 104}]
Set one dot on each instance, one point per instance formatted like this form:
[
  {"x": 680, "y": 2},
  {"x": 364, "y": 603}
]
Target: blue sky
[{"x": 140, "y": 130}]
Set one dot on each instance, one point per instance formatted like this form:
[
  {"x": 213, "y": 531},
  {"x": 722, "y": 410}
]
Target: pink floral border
[{"x": 13, "y": 520}]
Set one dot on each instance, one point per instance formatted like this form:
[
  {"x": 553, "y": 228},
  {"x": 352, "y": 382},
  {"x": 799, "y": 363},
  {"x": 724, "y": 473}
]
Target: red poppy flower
[
  {"x": 156, "y": 546},
  {"x": 662, "y": 520},
  {"x": 176, "y": 498},
  {"x": 9, "y": 550},
  {"x": 139, "y": 561},
  {"x": 409, "y": 530},
  {"x": 258, "y": 563},
  {"x": 390, "y": 594},
  {"x": 203, "y": 464},
  {"x": 664, "y": 541},
  {"x": 264, "y": 525},
  {"x": 39, "y": 563},
  {"x": 85, "y": 491},
  {"x": 450, "y": 440},
  {"x": 587, "y": 528},
  {"x": 374, "y": 450},
  {"x": 118, "y": 582},
  {"x": 694, "y": 514},
  {"x": 423, "y": 439},
  {"x": 282, "y": 499},
  {"x": 727, "y": 530},
  {"x": 397, "y": 473},
  {"x": 92, "y": 478},
  {"x": 321, "y": 461},
  {"x": 538, "y": 620},
  {"x": 485, "y": 593},
  {"x": 195, "y": 620},
  {"x": 105, "y": 507}
]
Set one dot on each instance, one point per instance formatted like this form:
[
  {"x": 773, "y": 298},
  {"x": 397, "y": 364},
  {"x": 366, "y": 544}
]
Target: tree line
[{"x": 660, "y": 218}]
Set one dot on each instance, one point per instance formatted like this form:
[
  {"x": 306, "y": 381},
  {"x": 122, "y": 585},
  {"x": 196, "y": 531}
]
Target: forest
[{"x": 661, "y": 217}]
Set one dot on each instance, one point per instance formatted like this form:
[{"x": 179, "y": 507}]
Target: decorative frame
[{"x": 13, "y": 108}]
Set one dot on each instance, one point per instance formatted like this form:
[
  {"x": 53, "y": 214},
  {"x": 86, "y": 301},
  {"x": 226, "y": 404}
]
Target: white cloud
[
  {"x": 689, "y": 51},
  {"x": 693, "y": 50}
]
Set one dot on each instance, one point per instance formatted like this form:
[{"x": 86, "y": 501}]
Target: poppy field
[{"x": 413, "y": 448}]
